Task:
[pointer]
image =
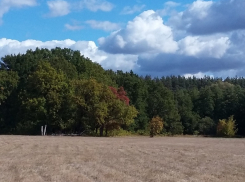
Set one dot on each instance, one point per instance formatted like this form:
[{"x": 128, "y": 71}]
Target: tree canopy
[{"x": 70, "y": 93}]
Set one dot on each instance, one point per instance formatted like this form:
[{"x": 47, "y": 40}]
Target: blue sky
[
  {"x": 39, "y": 21},
  {"x": 150, "y": 37}
]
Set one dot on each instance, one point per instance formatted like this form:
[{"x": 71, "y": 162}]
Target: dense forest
[{"x": 69, "y": 93}]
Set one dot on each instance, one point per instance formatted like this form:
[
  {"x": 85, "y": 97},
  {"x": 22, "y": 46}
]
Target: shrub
[
  {"x": 156, "y": 126},
  {"x": 143, "y": 132},
  {"x": 195, "y": 132},
  {"x": 119, "y": 132},
  {"x": 176, "y": 128},
  {"x": 206, "y": 126},
  {"x": 226, "y": 127}
]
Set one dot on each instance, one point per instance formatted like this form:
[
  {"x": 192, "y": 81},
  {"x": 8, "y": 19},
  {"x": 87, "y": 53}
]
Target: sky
[{"x": 158, "y": 38}]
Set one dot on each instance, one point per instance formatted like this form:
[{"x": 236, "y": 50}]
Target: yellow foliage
[
  {"x": 156, "y": 125},
  {"x": 226, "y": 127}
]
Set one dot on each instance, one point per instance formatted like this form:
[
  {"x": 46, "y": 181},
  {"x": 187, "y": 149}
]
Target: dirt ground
[{"x": 125, "y": 159}]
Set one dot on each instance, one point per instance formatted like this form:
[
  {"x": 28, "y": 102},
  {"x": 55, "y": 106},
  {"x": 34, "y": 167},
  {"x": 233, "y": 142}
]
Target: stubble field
[{"x": 127, "y": 159}]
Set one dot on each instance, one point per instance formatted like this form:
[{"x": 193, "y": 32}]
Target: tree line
[{"x": 68, "y": 92}]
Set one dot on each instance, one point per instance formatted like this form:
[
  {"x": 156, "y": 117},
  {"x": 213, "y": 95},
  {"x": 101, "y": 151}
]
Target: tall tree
[
  {"x": 161, "y": 102},
  {"x": 42, "y": 100},
  {"x": 8, "y": 82},
  {"x": 101, "y": 106},
  {"x": 8, "y": 90},
  {"x": 206, "y": 102},
  {"x": 189, "y": 119}
]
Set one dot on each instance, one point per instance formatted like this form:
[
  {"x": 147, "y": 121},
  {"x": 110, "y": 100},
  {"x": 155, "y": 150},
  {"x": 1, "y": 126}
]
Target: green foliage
[
  {"x": 189, "y": 119},
  {"x": 8, "y": 82},
  {"x": 42, "y": 100},
  {"x": 206, "y": 102},
  {"x": 143, "y": 132},
  {"x": 161, "y": 102},
  {"x": 206, "y": 126},
  {"x": 70, "y": 93},
  {"x": 137, "y": 91},
  {"x": 104, "y": 110},
  {"x": 176, "y": 128},
  {"x": 226, "y": 127},
  {"x": 196, "y": 132},
  {"x": 118, "y": 132},
  {"x": 156, "y": 126}
]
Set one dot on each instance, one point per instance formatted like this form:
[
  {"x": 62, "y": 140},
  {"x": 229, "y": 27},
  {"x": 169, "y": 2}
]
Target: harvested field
[{"x": 127, "y": 159}]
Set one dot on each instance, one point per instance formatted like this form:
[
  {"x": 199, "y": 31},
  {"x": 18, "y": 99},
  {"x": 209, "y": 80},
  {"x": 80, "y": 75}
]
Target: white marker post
[{"x": 45, "y": 129}]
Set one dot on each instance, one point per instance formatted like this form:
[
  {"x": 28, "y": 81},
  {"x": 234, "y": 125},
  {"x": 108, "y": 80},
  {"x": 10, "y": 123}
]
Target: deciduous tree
[
  {"x": 156, "y": 126},
  {"x": 226, "y": 127}
]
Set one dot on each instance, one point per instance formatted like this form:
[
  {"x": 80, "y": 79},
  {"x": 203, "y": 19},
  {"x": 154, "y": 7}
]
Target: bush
[
  {"x": 176, "y": 128},
  {"x": 226, "y": 127},
  {"x": 196, "y": 132},
  {"x": 119, "y": 132},
  {"x": 143, "y": 132},
  {"x": 156, "y": 126},
  {"x": 206, "y": 126}
]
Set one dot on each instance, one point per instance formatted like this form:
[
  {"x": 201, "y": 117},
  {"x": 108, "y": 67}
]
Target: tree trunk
[
  {"x": 106, "y": 131},
  {"x": 101, "y": 130},
  {"x": 151, "y": 134}
]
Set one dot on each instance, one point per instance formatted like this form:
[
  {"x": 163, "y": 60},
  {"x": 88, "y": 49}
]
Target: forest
[{"x": 70, "y": 93}]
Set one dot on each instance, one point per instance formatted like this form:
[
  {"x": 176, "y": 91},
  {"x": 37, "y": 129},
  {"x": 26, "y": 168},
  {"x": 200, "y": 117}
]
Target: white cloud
[
  {"x": 208, "y": 17},
  {"x": 198, "y": 75},
  {"x": 203, "y": 46},
  {"x": 147, "y": 45},
  {"x": 146, "y": 33},
  {"x": 108, "y": 61},
  {"x": 87, "y": 48},
  {"x": 169, "y": 8},
  {"x": 9, "y": 46},
  {"x": 199, "y": 9},
  {"x": 58, "y": 8},
  {"x": 237, "y": 39},
  {"x": 62, "y": 7},
  {"x": 95, "y": 5},
  {"x": 6, "y": 5},
  {"x": 103, "y": 25},
  {"x": 131, "y": 10},
  {"x": 73, "y": 27},
  {"x": 171, "y": 4}
]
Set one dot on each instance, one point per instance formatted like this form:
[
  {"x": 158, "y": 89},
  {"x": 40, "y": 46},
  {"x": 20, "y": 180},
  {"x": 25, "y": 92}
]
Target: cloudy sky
[{"x": 182, "y": 37}]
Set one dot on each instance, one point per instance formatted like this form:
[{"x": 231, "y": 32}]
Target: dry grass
[{"x": 68, "y": 159}]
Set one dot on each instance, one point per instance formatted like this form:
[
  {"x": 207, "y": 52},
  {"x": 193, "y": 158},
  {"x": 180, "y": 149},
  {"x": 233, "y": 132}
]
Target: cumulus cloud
[
  {"x": 108, "y": 61},
  {"x": 204, "y": 47},
  {"x": 58, "y": 8},
  {"x": 95, "y": 5},
  {"x": 237, "y": 39},
  {"x": 103, "y": 25},
  {"x": 176, "y": 64},
  {"x": 200, "y": 55},
  {"x": 9, "y": 46},
  {"x": 146, "y": 33},
  {"x": 159, "y": 53},
  {"x": 6, "y": 5},
  {"x": 131, "y": 10},
  {"x": 207, "y": 17},
  {"x": 87, "y": 48},
  {"x": 191, "y": 43}
]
